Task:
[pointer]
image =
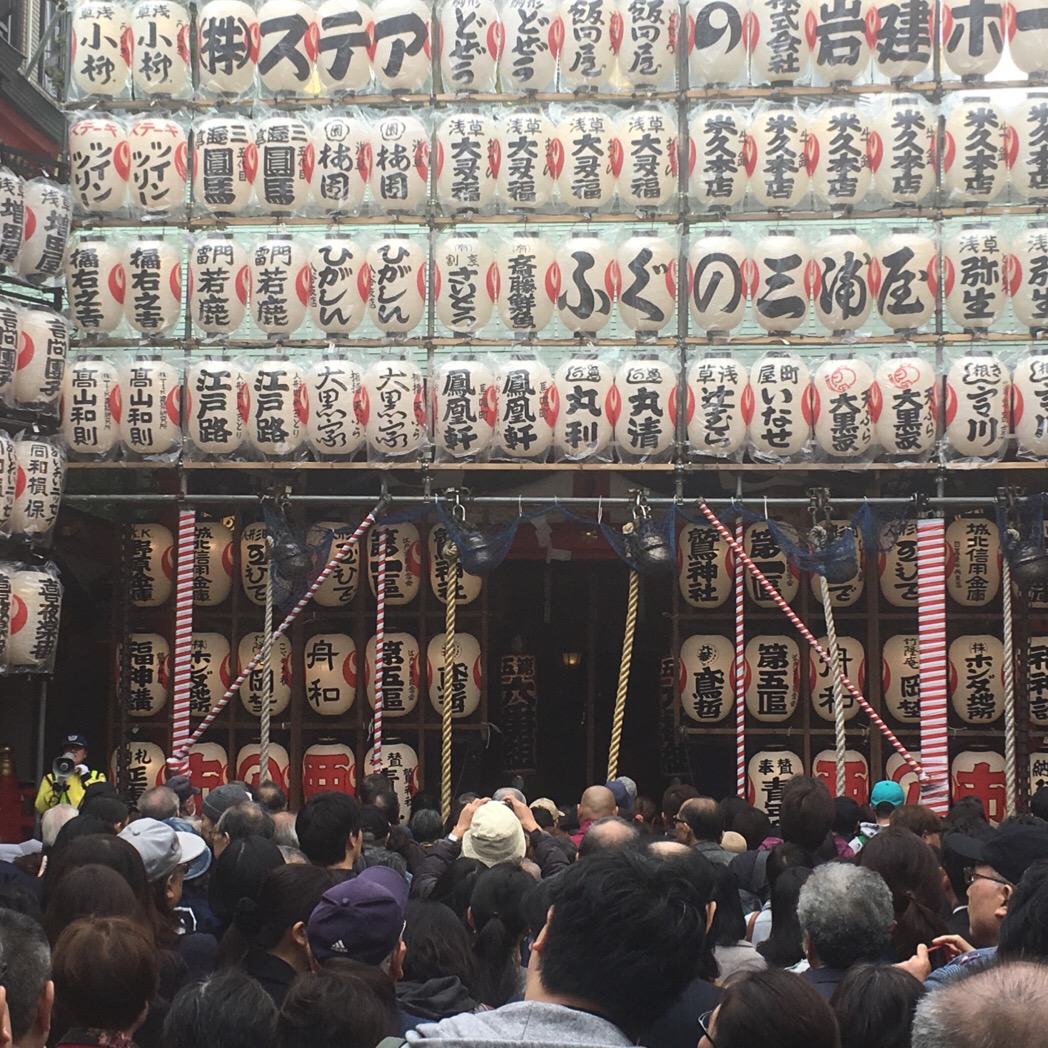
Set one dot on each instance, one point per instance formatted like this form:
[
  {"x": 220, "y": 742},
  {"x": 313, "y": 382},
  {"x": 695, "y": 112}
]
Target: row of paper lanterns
[
  {"x": 851, "y": 407},
  {"x": 30, "y": 610},
  {"x": 580, "y": 158},
  {"x": 35, "y": 220},
  {"x": 295, "y": 48}
]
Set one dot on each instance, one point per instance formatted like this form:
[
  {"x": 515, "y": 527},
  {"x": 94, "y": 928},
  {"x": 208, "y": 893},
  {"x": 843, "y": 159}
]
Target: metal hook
[{"x": 600, "y": 508}]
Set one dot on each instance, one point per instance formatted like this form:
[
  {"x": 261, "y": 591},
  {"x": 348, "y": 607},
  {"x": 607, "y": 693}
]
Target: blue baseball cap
[
  {"x": 76, "y": 741},
  {"x": 888, "y": 792}
]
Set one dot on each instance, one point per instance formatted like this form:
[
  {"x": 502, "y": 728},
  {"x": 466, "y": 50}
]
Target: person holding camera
[{"x": 69, "y": 776}]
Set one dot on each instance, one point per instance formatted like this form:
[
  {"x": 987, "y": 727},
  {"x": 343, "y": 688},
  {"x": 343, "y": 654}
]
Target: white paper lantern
[
  {"x": 48, "y": 209},
  {"x": 1030, "y": 404},
  {"x": 773, "y": 678},
  {"x": 285, "y": 164},
  {"x": 1037, "y": 686},
  {"x": 99, "y": 164},
  {"x": 981, "y": 773},
  {"x": 445, "y": 575},
  {"x": 464, "y": 681},
  {"x": 145, "y": 764},
  {"x": 346, "y": 39},
  {"x": 704, "y": 566},
  {"x": 43, "y": 345},
  {"x": 219, "y": 283},
  {"x": 341, "y": 163},
  {"x": 907, "y": 418},
  {"x": 397, "y": 284},
  {"x": 781, "y": 284},
  {"x": 903, "y": 278},
  {"x": 718, "y": 33},
  {"x": 465, "y": 281},
  {"x": 973, "y": 569},
  {"x": 249, "y": 768},
  {"x": 464, "y": 407},
  {"x": 151, "y": 407},
  {"x": 400, "y": 674},
  {"x": 647, "y": 420},
  {"x": 91, "y": 407},
  {"x": 467, "y": 160},
  {"x": 533, "y": 35},
  {"x": 974, "y": 168},
  {"x": 647, "y": 144},
  {"x": 1024, "y": 265},
  {"x": 252, "y": 691},
  {"x": 331, "y": 388},
  {"x": 288, "y": 38},
  {"x": 400, "y": 52},
  {"x": 977, "y": 406},
  {"x": 974, "y": 277},
  {"x": 839, "y": 36},
  {"x": 153, "y": 304},
  {"x": 718, "y": 152},
  {"x": 12, "y": 216},
  {"x": 340, "y": 587},
  {"x": 39, "y": 482},
  {"x": 1024, "y": 26},
  {"x": 528, "y": 282},
  {"x": 280, "y": 284},
  {"x": 650, "y": 39},
  {"x": 227, "y": 46},
  {"x": 856, "y": 774},
  {"x": 589, "y": 283},
  {"x": 714, "y": 398},
  {"x": 392, "y": 407},
  {"x": 717, "y": 284},
  {"x": 470, "y": 37},
  {"x": 841, "y": 285},
  {"x": 217, "y": 403},
  {"x": 159, "y": 165},
  {"x": 399, "y": 763},
  {"x": 647, "y": 267},
  {"x": 101, "y": 48},
  {"x": 973, "y": 39},
  {"x": 853, "y": 665},
  {"x": 254, "y": 563},
  {"x": 1024, "y": 137},
  {"x": 209, "y": 672},
  {"x": 780, "y": 176},
  {"x": 587, "y": 157},
  {"x": 902, "y": 48},
  {"x": 528, "y": 151},
  {"x": 902, "y": 150},
  {"x": 339, "y": 285},
  {"x": 225, "y": 164},
  {"x": 777, "y": 403},
  {"x": 403, "y": 563},
  {"x": 901, "y": 677},
  {"x": 592, "y": 32},
  {"x": 766, "y": 774},
  {"x": 160, "y": 29},
  {"x": 212, "y": 564},
  {"x": 330, "y": 673},
  {"x": 148, "y": 667},
  {"x": 525, "y": 422},
  {"x": 328, "y": 766},
  {"x": 842, "y": 389},
  {"x": 762, "y": 547},
  {"x": 898, "y": 569},
  {"x": 584, "y": 402},
  {"x": 8, "y": 490},
  {"x": 1038, "y": 770},
  {"x": 36, "y": 607},
  {"x": 779, "y": 51},
  {"x": 10, "y": 339},
  {"x": 838, "y": 139},
  {"x": 706, "y": 672},
  {"x": 279, "y": 412}
]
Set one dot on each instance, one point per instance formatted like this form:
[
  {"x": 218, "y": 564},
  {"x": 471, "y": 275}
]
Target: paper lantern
[
  {"x": 148, "y": 668},
  {"x": 584, "y": 403},
  {"x": 901, "y": 677},
  {"x": 781, "y": 281},
  {"x": 533, "y": 33},
  {"x": 586, "y": 157},
  {"x": 527, "y": 156},
  {"x": 144, "y": 765},
  {"x": 853, "y": 665},
  {"x": 524, "y": 429},
  {"x": 403, "y": 563},
  {"x": 328, "y": 766},
  {"x": 152, "y": 565},
  {"x": 227, "y": 46},
  {"x": 212, "y": 564},
  {"x": 1030, "y": 405},
  {"x": 225, "y": 163},
  {"x": 906, "y": 423},
  {"x": 1024, "y": 27},
  {"x": 589, "y": 283},
  {"x": 400, "y": 164},
  {"x": 209, "y": 672},
  {"x": 465, "y": 280},
  {"x": 464, "y": 407},
  {"x": 12, "y": 216},
  {"x": 706, "y": 671},
  {"x": 528, "y": 282},
  {"x": 974, "y": 169},
  {"x": 705, "y": 566},
  {"x": 715, "y": 395},
  {"x": 775, "y": 35},
  {"x": 441, "y": 571},
  {"x": 762, "y": 548},
  {"x": 902, "y": 150},
  {"x": 99, "y": 164},
  {"x": 331, "y": 388},
  {"x": 400, "y": 53},
  {"x": 903, "y": 278},
  {"x": 48, "y": 209},
  {"x": 249, "y": 768},
  {"x": 10, "y": 339},
  {"x": 397, "y": 288},
  {"x": 717, "y": 48},
  {"x": 90, "y": 407},
  {"x": 1037, "y": 681},
  {"x": 973, "y": 40},
  {"x": 1024, "y": 264},
  {"x": 899, "y": 771},
  {"x": 340, "y": 587},
  {"x": 902, "y": 46},
  {"x": 252, "y": 691},
  {"x": 36, "y": 607},
  {"x": 717, "y": 283},
  {"x": 8, "y": 489},
  {"x": 329, "y": 662},
  {"x": 650, "y": 38},
  {"x": 840, "y": 38},
  {"x": 346, "y": 38},
  {"x": 841, "y": 281},
  {"x": 280, "y": 284},
  {"x": 856, "y": 774},
  {"x": 467, "y": 161},
  {"x": 843, "y": 393},
  {"x": 766, "y": 773},
  {"x": 838, "y": 139},
  {"x": 159, "y": 163},
  {"x": 39, "y": 482},
  {"x": 647, "y": 266},
  {"x": 647, "y": 145},
  {"x": 777, "y": 405},
  {"x": 1026, "y": 131},
  {"x": 977, "y": 403},
  {"x": 279, "y": 413},
  {"x": 464, "y": 681},
  {"x": 153, "y": 303},
  {"x": 470, "y": 37},
  {"x": 216, "y": 406},
  {"x": 339, "y": 285},
  {"x": 845, "y": 594},
  {"x": 898, "y": 569},
  {"x": 973, "y": 570},
  {"x": 647, "y": 421},
  {"x": 254, "y": 563},
  {"x": 974, "y": 277},
  {"x": 208, "y": 767},
  {"x": 219, "y": 283},
  {"x": 285, "y": 164},
  {"x": 399, "y": 763},
  {"x": 341, "y": 163},
  {"x": 717, "y": 156},
  {"x": 981, "y": 773},
  {"x": 976, "y": 666},
  {"x": 160, "y": 29},
  {"x": 100, "y": 62},
  {"x": 592, "y": 32},
  {"x": 400, "y": 674},
  {"x": 151, "y": 411},
  {"x": 1038, "y": 770},
  {"x": 288, "y": 38},
  {"x": 392, "y": 407}
]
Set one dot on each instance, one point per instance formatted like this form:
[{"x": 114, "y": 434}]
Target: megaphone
[{"x": 62, "y": 767}]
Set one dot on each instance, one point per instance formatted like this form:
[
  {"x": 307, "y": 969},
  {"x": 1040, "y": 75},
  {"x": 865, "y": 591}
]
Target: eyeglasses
[
  {"x": 970, "y": 875},
  {"x": 704, "y": 1026}
]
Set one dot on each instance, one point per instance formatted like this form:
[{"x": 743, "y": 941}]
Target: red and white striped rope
[
  {"x": 380, "y": 639},
  {"x": 740, "y": 669},
  {"x": 807, "y": 634},
  {"x": 340, "y": 555},
  {"x": 931, "y": 632},
  {"x": 183, "y": 649}
]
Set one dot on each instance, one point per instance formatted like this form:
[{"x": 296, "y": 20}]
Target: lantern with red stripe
[
  {"x": 48, "y": 214},
  {"x": 841, "y": 173},
  {"x": 467, "y": 160},
  {"x": 101, "y": 52},
  {"x": 844, "y": 594},
  {"x": 715, "y": 398},
  {"x": 144, "y": 763},
  {"x": 646, "y": 424},
  {"x": 400, "y": 163},
  {"x": 400, "y": 674},
  {"x": 584, "y": 403},
  {"x": 980, "y": 773},
  {"x": 465, "y": 282},
  {"x": 340, "y": 281},
  {"x": 400, "y": 51},
  {"x": 974, "y": 167},
  {"x": 586, "y": 157},
  {"x": 212, "y": 564},
  {"x": 225, "y": 163},
  {"x": 974, "y": 276},
  {"x": 533, "y": 34},
  {"x": 152, "y": 565},
  {"x": 776, "y": 37},
  {"x": 856, "y": 774},
  {"x": 704, "y": 566},
  {"x": 902, "y": 48},
  {"x": 217, "y": 404},
  {"x": 40, "y": 468},
  {"x": 718, "y": 37},
  {"x": 99, "y": 164},
  {"x": 328, "y": 766},
  {"x": 43, "y": 345},
  {"x": 329, "y": 661},
  {"x": 344, "y": 58},
  {"x": 901, "y": 677},
  {"x": 148, "y": 667},
  {"x": 592, "y": 35},
  {"x": 1026, "y": 261},
  {"x": 463, "y": 683},
  {"x": 151, "y": 406},
  {"x": 528, "y": 282},
  {"x": 285, "y": 164},
  {"x": 840, "y": 269},
  {"x": 651, "y": 38},
  {"x": 843, "y": 401},
  {"x": 159, "y": 165},
  {"x": 8, "y": 485},
  {"x": 853, "y": 666},
  {"x": 341, "y": 163},
  {"x": 528, "y": 152},
  {"x": 160, "y": 30},
  {"x": 523, "y": 390},
  {"x": 154, "y": 285},
  {"x": 898, "y": 569},
  {"x": 767, "y": 772},
  {"x": 899, "y": 771},
  {"x": 1030, "y": 405},
  {"x": 647, "y": 148},
  {"x": 249, "y": 767},
  {"x": 12, "y": 216},
  {"x": 977, "y": 406},
  {"x": 340, "y": 587},
  {"x": 976, "y": 678},
  {"x": 219, "y": 283},
  {"x": 445, "y": 574},
  {"x": 36, "y": 607},
  {"x": 718, "y": 154},
  {"x": 1026, "y": 131},
  {"x": 780, "y": 427},
  {"x": 403, "y": 563},
  {"x": 589, "y": 283},
  {"x": 781, "y": 162},
  {"x": 331, "y": 388},
  {"x": 208, "y": 767},
  {"x": 227, "y": 47},
  {"x": 91, "y": 408},
  {"x": 469, "y": 37},
  {"x": 781, "y": 281},
  {"x": 279, "y": 414},
  {"x": 762, "y": 547},
  {"x": 973, "y": 565},
  {"x": 1024, "y": 28},
  {"x": 706, "y": 671},
  {"x": 399, "y": 763},
  {"x": 288, "y": 39},
  {"x": 253, "y": 690},
  {"x": 972, "y": 39},
  {"x": 464, "y": 407},
  {"x": 904, "y": 279},
  {"x": 392, "y": 407},
  {"x": 906, "y": 416},
  {"x": 210, "y": 672},
  {"x": 719, "y": 277},
  {"x": 397, "y": 288},
  {"x": 254, "y": 563},
  {"x": 647, "y": 265},
  {"x": 280, "y": 284},
  {"x": 840, "y": 37},
  {"x": 902, "y": 150}
]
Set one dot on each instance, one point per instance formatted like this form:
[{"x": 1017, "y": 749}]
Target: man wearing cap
[
  {"x": 67, "y": 786},
  {"x": 183, "y": 788},
  {"x": 216, "y": 802},
  {"x": 885, "y": 798}
]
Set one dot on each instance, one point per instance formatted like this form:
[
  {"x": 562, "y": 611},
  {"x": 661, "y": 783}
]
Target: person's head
[
  {"x": 226, "y": 1010},
  {"x": 437, "y": 944},
  {"x": 846, "y": 914},
  {"x": 1039, "y": 803},
  {"x": 183, "y": 788},
  {"x": 807, "y": 812},
  {"x": 284, "y": 829},
  {"x": 426, "y": 826},
  {"x": 372, "y": 856},
  {"x": 455, "y": 886},
  {"x": 621, "y": 938},
  {"x": 729, "y": 923},
  {"x": 964, "y": 812},
  {"x": 88, "y": 891},
  {"x": 919, "y": 819},
  {"x": 26, "y": 959},
  {"x": 53, "y": 820},
  {"x": 672, "y": 798},
  {"x": 597, "y": 802},
  {"x": 623, "y": 800},
  {"x": 105, "y": 974},
  {"x": 874, "y": 1005},
  {"x": 81, "y": 826},
  {"x": 166, "y": 854},
  {"x": 699, "y": 821},
  {"x": 371, "y": 785},
  {"x": 611, "y": 832},
  {"x": 754, "y": 825},
  {"x": 388, "y": 803},
  {"x": 495, "y": 835},
  {"x": 498, "y": 910},
  {"x": 111, "y": 810},
  {"x": 328, "y": 829},
  {"x": 1024, "y": 929},
  {"x": 885, "y": 797},
  {"x": 158, "y": 802},
  {"x": 271, "y": 797},
  {"x": 75, "y": 745},
  {"x": 374, "y": 826},
  {"x": 784, "y": 947},
  {"x": 239, "y": 873},
  {"x": 774, "y": 1009},
  {"x": 241, "y": 820},
  {"x": 216, "y": 802},
  {"x": 1002, "y": 1007},
  {"x": 846, "y": 817}
]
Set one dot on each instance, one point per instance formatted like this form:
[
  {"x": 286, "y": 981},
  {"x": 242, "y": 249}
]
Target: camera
[{"x": 62, "y": 767}]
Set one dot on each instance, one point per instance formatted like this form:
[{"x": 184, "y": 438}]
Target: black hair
[
  {"x": 271, "y": 796},
  {"x": 426, "y": 825},
  {"x": 784, "y": 947},
  {"x": 438, "y": 944},
  {"x": 454, "y": 886},
  {"x": 81, "y": 826},
  {"x": 498, "y": 907},
  {"x": 674, "y": 796},
  {"x": 875, "y": 1004},
  {"x": 730, "y": 807},
  {"x": 729, "y": 923},
  {"x": 240, "y": 871},
  {"x": 372, "y": 784},
  {"x": 245, "y": 820},
  {"x": 324, "y": 824},
  {"x": 754, "y": 825},
  {"x": 966, "y": 809},
  {"x": 110, "y": 810},
  {"x": 27, "y": 961},
  {"x": 374, "y": 824},
  {"x": 846, "y": 817},
  {"x": 807, "y": 812},
  {"x": 1024, "y": 930},
  {"x": 543, "y": 818},
  {"x": 953, "y": 864},
  {"x": 227, "y": 1010},
  {"x": 774, "y": 1009},
  {"x": 388, "y": 803},
  {"x": 288, "y": 895}
]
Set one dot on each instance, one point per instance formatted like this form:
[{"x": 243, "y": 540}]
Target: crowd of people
[{"x": 226, "y": 920}]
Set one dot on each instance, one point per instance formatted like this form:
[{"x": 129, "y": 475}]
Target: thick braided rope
[
  {"x": 840, "y": 743},
  {"x": 624, "y": 677},
  {"x": 809, "y": 637},
  {"x": 183, "y": 653},
  {"x": 450, "y": 607},
  {"x": 931, "y": 638},
  {"x": 380, "y": 640},
  {"x": 267, "y": 669},
  {"x": 740, "y": 669},
  {"x": 1010, "y": 771}
]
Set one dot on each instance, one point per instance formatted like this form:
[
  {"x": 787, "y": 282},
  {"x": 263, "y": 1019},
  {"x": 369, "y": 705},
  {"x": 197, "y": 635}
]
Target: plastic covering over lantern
[
  {"x": 902, "y": 150},
  {"x": 773, "y": 677},
  {"x": 467, "y": 161},
  {"x": 43, "y": 345},
  {"x": 647, "y": 391},
  {"x": 841, "y": 281},
  {"x": 39, "y": 482},
  {"x": 717, "y": 157},
  {"x": 331, "y": 390},
  {"x": 392, "y": 406},
  {"x": 1030, "y": 404},
  {"x": 227, "y": 46},
  {"x": 585, "y": 402},
  {"x": 151, "y": 408},
  {"x": 445, "y": 573},
  {"x": 718, "y": 278},
  {"x": 400, "y": 163},
  {"x": 345, "y": 38},
  {"x": 464, "y": 681},
  {"x": 907, "y": 421},
  {"x": 219, "y": 283},
  {"x": 715, "y": 395},
  {"x": 397, "y": 284},
  {"x": 401, "y": 669},
  {"x": 212, "y": 564},
  {"x": 210, "y": 672},
  {"x": 341, "y": 163},
  {"x": 12, "y": 216},
  {"x": 225, "y": 163},
  {"x": 328, "y": 766},
  {"x": 97, "y": 281},
  {"x": 778, "y": 406},
  {"x": 465, "y": 281},
  {"x": 528, "y": 284},
  {"x": 99, "y": 164},
  {"x": 279, "y": 410},
  {"x": 706, "y": 671},
  {"x": 839, "y": 138},
  {"x": 903, "y": 279},
  {"x": 780, "y": 174},
  {"x": 153, "y": 302},
  {"x": 36, "y": 608},
  {"x": 216, "y": 406},
  {"x": 588, "y": 156},
  {"x": 844, "y": 399},
  {"x": 280, "y": 284},
  {"x": 159, "y": 159},
  {"x": 160, "y": 30},
  {"x": 48, "y": 211},
  {"x": 464, "y": 407},
  {"x": 977, "y": 402},
  {"x": 339, "y": 284},
  {"x": 253, "y": 690},
  {"x": 533, "y": 33},
  {"x": 647, "y": 267},
  {"x": 717, "y": 44},
  {"x": 403, "y": 562},
  {"x": 101, "y": 59},
  {"x": 527, "y": 154},
  {"x": 400, "y": 51},
  {"x": 91, "y": 407},
  {"x": 329, "y": 663},
  {"x": 647, "y": 145}
]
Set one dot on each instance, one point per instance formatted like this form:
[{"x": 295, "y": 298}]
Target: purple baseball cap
[{"x": 362, "y": 918}]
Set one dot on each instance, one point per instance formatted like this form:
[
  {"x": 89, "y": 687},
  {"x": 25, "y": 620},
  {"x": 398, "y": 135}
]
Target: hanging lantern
[
  {"x": 209, "y": 672},
  {"x": 980, "y": 773},
  {"x": 212, "y": 564},
  {"x": 902, "y": 49},
  {"x": 285, "y": 163},
  {"x": 464, "y": 407},
  {"x": 533, "y": 34},
  {"x": 974, "y": 277},
  {"x": 856, "y": 774},
  {"x": 1026, "y": 131},
  {"x": 781, "y": 278},
  {"x": 152, "y": 565},
  {"x": 341, "y": 163},
  {"x": 763, "y": 549},
  {"x": 853, "y": 665},
  {"x": 525, "y": 172},
  {"x": 145, "y": 764},
  {"x": 465, "y": 280},
  {"x": 592, "y": 33},
  {"x": 100, "y": 62},
  {"x": 706, "y": 671},
  {"x": 279, "y": 411},
  {"x": 843, "y": 394},
  {"x": 219, "y": 283},
  {"x": 467, "y": 587},
  {"x": 8, "y": 491},
  {"x": 590, "y": 283},
  {"x": 346, "y": 40},
  {"x": 898, "y": 569},
  {"x": 717, "y": 43},
  {"x": 902, "y": 150},
  {"x": 528, "y": 282},
  {"x": 775, "y": 36},
  {"x": 840, "y": 137},
  {"x": 403, "y": 562},
  {"x": 331, "y": 389},
  {"x": 36, "y": 607},
  {"x": 397, "y": 284},
  {"x": 766, "y": 774},
  {"x": 977, "y": 403},
  {"x": 400, "y": 162},
  {"x": 208, "y": 767},
  {"x": 227, "y": 46},
  {"x": 647, "y": 268},
  {"x": 148, "y": 673},
  {"x": 717, "y": 283},
  {"x": 840, "y": 39},
  {"x": 650, "y": 37},
  {"x": 470, "y": 39},
  {"x": 151, "y": 407},
  {"x": 976, "y": 665},
  {"x": 91, "y": 407},
  {"x": 39, "y": 481},
  {"x": 399, "y": 763},
  {"x": 48, "y": 209},
  {"x": 972, "y": 40},
  {"x": 780, "y": 385},
  {"x": 254, "y": 563},
  {"x": 392, "y": 407},
  {"x": 587, "y": 156},
  {"x": 154, "y": 285},
  {"x": 907, "y": 419},
  {"x": 330, "y": 665},
  {"x": 584, "y": 403},
  {"x": 280, "y": 284},
  {"x": 12, "y": 216},
  {"x": 845, "y": 594},
  {"x": 288, "y": 38},
  {"x": 1037, "y": 683},
  {"x": 252, "y": 691},
  {"x": 400, "y": 674},
  {"x": 840, "y": 278},
  {"x": 1030, "y": 404},
  {"x": 1023, "y": 265},
  {"x": 467, "y": 161},
  {"x": 225, "y": 163},
  {"x": 1038, "y": 771},
  {"x": 340, "y": 587},
  {"x": 974, "y": 151},
  {"x": 160, "y": 30},
  {"x": 716, "y": 394},
  {"x": 780, "y": 177},
  {"x": 159, "y": 165},
  {"x": 400, "y": 53},
  {"x": 973, "y": 575},
  {"x": 99, "y": 164},
  {"x": 328, "y": 766},
  {"x": 647, "y": 149},
  {"x": 10, "y": 324},
  {"x": 339, "y": 285},
  {"x": 718, "y": 147},
  {"x": 217, "y": 404},
  {"x": 903, "y": 279},
  {"x": 524, "y": 429},
  {"x": 1023, "y": 23},
  {"x": 646, "y": 425},
  {"x": 899, "y": 771},
  {"x": 249, "y": 768},
  {"x": 43, "y": 345},
  {"x": 901, "y": 677},
  {"x": 466, "y": 677}
]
